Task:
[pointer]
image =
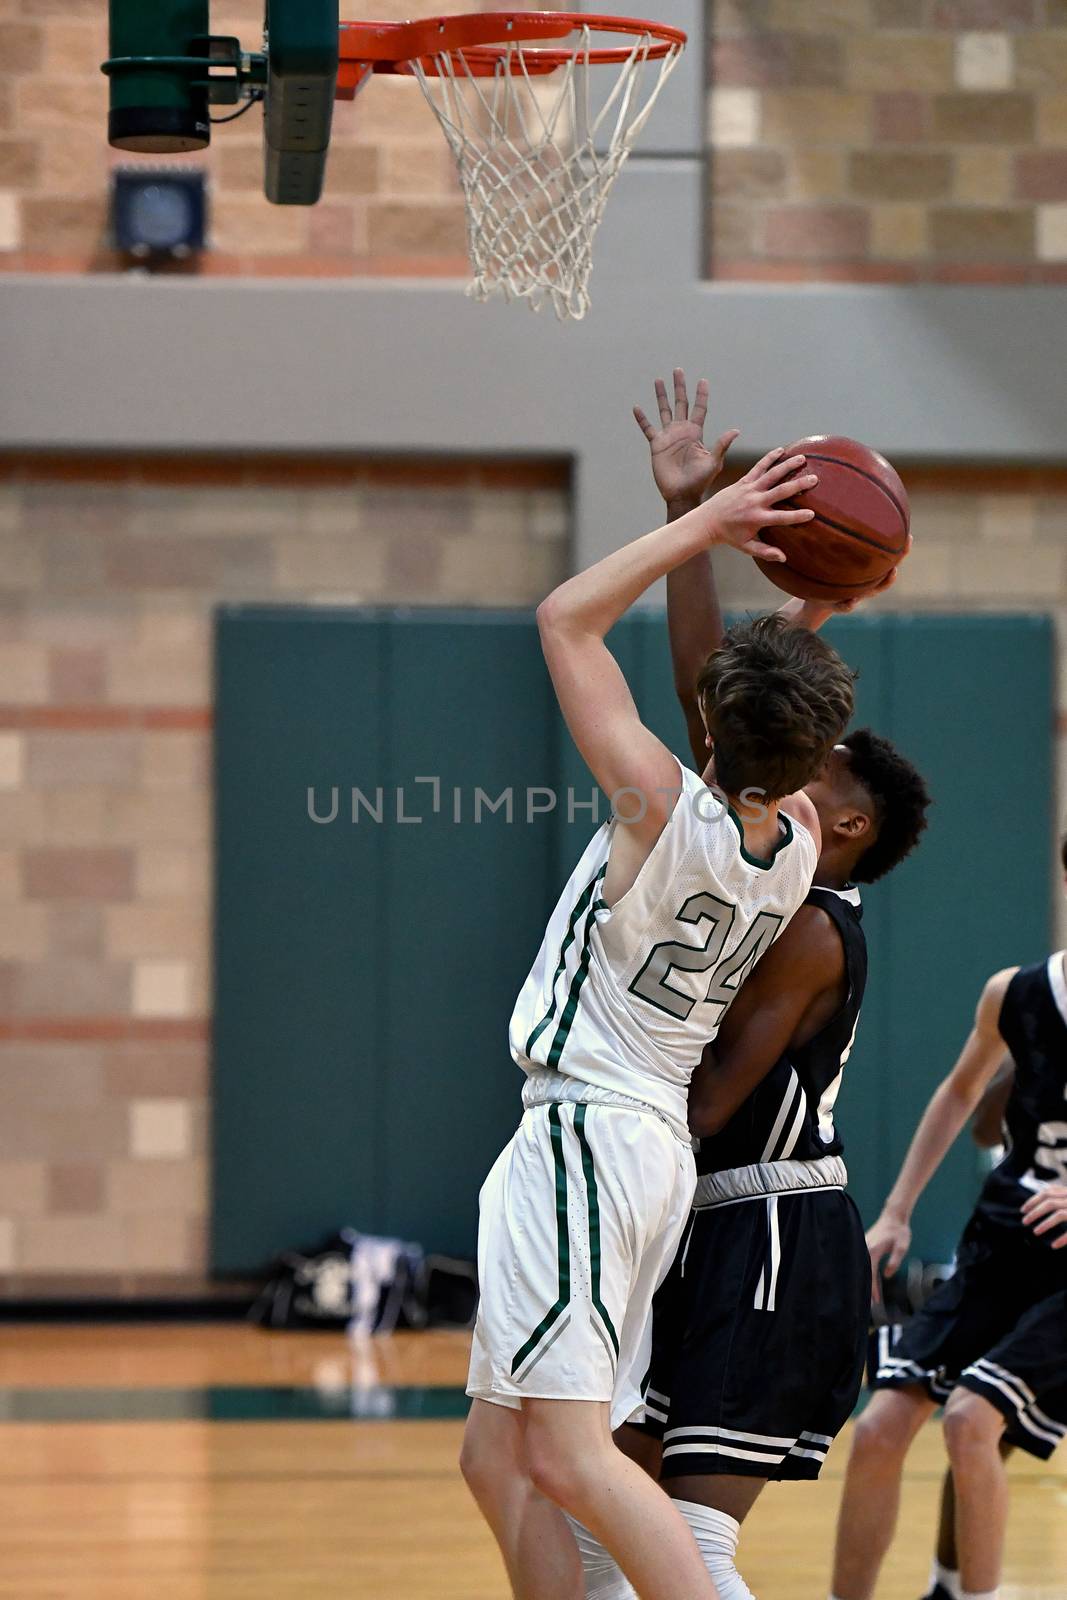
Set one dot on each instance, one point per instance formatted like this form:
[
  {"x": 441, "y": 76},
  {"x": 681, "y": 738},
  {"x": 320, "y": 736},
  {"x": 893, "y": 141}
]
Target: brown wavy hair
[{"x": 776, "y": 699}]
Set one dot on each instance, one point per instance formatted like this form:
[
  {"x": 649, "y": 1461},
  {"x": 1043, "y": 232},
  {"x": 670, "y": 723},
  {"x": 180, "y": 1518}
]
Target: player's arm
[
  {"x": 987, "y": 1122},
  {"x": 620, "y": 752},
  {"x": 791, "y": 992},
  {"x": 952, "y": 1103},
  {"x": 695, "y": 627},
  {"x": 683, "y": 469}
]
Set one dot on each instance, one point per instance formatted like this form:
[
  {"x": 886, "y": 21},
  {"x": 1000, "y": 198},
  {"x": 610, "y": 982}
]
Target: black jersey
[
  {"x": 1033, "y": 1025},
  {"x": 789, "y": 1116}
]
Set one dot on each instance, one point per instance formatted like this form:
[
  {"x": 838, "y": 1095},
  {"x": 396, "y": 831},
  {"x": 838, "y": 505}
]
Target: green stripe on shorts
[
  {"x": 593, "y": 1200},
  {"x": 563, "y": 1247}
]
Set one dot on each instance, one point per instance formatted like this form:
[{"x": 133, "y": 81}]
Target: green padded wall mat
[{"x": 365, "y": 972}]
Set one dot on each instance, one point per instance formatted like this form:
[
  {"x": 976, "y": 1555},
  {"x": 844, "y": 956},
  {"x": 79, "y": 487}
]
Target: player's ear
[{"x": 854, "y": 823}]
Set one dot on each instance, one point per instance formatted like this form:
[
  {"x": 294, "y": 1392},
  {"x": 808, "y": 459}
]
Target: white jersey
[{"x": 624, "y": 998}]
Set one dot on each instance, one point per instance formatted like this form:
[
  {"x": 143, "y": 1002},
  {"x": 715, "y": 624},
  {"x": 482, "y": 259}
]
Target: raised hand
[
  {"x": 737, "y": 513},
  {"x": 888, "y": 1240},
  {"x": 682, "y": 465}
]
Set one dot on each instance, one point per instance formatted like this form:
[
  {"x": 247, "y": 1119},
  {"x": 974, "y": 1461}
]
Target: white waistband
[
  {"x": 772, "y": 1177},
  {"x": 543, "y": 1087}
]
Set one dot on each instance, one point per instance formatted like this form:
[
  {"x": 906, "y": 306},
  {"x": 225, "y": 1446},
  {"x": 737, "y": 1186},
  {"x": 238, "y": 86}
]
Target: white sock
[
  {"x": 716, "y": 1535},
  {"x": 947, "y": 1577},
  {"x": 604, "y": 1578},
  {"x": 986, "y": 1594}
]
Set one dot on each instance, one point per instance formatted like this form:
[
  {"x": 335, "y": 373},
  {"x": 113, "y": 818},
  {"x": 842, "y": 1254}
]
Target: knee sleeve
[
  {"x": 604, "y": 1579},
  {"x": 716, "y": 1535}
]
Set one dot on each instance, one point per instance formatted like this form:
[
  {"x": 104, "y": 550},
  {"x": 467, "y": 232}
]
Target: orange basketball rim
[{"x": 487, "y": 40}]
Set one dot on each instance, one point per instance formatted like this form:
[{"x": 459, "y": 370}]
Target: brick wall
[
  {"x": 110, "y": 571},
  {"x": 888, "y": 140},
  {"x": 392, "y": 203}
]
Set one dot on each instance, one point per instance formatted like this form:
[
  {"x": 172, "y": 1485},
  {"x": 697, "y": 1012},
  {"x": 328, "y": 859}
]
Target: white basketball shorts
[{"x": 580, "y": 1219}]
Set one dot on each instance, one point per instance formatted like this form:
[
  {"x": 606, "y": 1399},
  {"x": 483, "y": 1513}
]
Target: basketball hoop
[
  {"x": 536, "y": 152},
  {"x": 537, "y": 142}
]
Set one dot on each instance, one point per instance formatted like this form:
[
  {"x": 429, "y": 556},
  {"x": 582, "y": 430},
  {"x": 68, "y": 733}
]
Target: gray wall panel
[{"x": 928, "y": 373}]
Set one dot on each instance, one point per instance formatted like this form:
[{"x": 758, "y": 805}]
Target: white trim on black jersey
[
  {"x": 793, "y": 1093},
  {"x": 794, "y": 1133}
]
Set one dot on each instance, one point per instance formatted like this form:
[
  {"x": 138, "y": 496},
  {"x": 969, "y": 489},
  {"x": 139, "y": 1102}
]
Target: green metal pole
[{"x": 158, "y": 106}]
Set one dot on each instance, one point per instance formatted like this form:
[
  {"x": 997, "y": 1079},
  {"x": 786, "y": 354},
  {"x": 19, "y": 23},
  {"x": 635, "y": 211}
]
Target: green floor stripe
[{"x": 362, "y": 1403}]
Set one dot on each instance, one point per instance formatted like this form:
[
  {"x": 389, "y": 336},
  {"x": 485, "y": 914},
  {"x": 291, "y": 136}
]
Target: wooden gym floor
[{"x": 208, "y": 1462}]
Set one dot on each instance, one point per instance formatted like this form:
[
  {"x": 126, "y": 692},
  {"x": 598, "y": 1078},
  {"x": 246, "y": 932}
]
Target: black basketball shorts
[
  {"x": 759, "y": 1337},
  {"x": 998, "y": 1326}
]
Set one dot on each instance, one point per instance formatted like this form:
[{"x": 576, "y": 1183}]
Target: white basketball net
[{"x": 536, "y": 162}]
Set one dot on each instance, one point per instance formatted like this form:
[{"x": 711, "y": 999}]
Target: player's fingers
[
  {"x": 722, "y": 444},
  {"x": 791, "y": 514},
  {"x": 700, "y": 404},
  {"x": 784, "y": 472},
  {"x": 762, "y": 552},
  {"x": 754, "y": 474},
  {"x": 663, "y": 403},
  {"x": 876, "y": 1253},
  {"x": 1053, "y": 1220},
  {"x": 876, "y": 1288},
  {"x": 887, "y": 582},
  {"x": 896, "y": 1256},
  {"x": 1035, "y": 1206},
  {"x": 681, "y": 398},
  {"x": 1060, "y": 1243},
  {"x": 643, "y": 423},
  {"x": 788, "y": 488}
]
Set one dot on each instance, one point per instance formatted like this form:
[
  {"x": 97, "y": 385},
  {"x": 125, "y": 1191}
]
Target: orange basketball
[{"x": 860, "y": 527}]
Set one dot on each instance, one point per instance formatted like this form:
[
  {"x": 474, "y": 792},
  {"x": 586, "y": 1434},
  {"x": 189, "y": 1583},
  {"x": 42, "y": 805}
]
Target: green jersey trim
[
  {"x": 580, "y": 905},
  {"x": 570, "y": 1010},
  {"x": 764, "y": 863}
]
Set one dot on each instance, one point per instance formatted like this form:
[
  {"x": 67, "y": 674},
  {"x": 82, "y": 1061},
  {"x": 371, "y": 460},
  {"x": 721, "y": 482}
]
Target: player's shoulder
[
  {"x": 699, "y": 804},
  {"x": 811, "y": 935},
  {"x": 703, "y": 809},
  {"x": 996, "y": 987},
  {"x": 690, "y": 781},
  {"x": 1030, "y": 986},
  {"x": 800, "y": 810},
  {"x": 804, "y": 819},
  {"x": 991, "y": 1000}
]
